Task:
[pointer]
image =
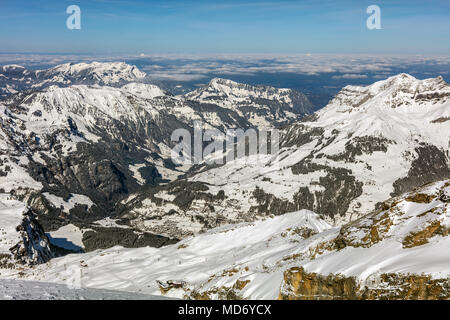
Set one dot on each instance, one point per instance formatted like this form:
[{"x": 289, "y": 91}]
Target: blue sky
[{"x": 267, "y": 26}]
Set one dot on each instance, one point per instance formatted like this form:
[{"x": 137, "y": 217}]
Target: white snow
[
  {"x": 260, "y": 252},
  {"x": 75, "y": 199},
  {"x": 194, "y": 260},
  {"x": 106, "y": 72},
  {"x": 33, "y": 290},
  {"x": 136, "y": 174},
  {"x": 68, "y": 237},
  {"x": 10, "y": 217}
]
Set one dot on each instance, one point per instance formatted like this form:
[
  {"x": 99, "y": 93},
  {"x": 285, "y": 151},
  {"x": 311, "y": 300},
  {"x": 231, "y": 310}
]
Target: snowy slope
[
  {"x": 14, "y": 78},
  {"x": 32, "y": 290},
  {"x": 22, "y": 239},
  {"x": 102, "y": 73},
  {"x": 252, "y": 260},
  {"x": 195, "y": 260},
  {"x": 11, "y": 217}
]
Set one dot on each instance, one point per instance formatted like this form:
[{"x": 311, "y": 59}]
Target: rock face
[
  {"x": 301, "y": 285},
  {"x": 35, "y": 246},
  {"x": 22, "y": 238}
]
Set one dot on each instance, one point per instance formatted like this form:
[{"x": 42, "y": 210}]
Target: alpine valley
[{"x": 353, "y": 205}]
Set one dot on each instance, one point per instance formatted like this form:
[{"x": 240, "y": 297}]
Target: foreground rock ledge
[{"x": 301, "y": 285}]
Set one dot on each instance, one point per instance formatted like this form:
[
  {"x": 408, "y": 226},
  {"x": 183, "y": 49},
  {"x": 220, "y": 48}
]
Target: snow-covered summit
[
  {"x": 400, "y": 108},
  {"x": 12, "y": 68},
  {"x": 104, "y": 73},
  {"x": 14, "y": 78},
  {"x": 262, "y": 105},
  {"x": 396, "y": 91},
  {"x": 238, "y": 92}
]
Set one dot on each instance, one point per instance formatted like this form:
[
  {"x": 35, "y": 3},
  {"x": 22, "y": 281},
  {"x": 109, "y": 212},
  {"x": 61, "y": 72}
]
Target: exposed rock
[
  {"x": 103, "y": 238},
  {"x": 35, "y": 246},
  {"x": 431, "y": 164},
  {"x": 301, "y": 285}
]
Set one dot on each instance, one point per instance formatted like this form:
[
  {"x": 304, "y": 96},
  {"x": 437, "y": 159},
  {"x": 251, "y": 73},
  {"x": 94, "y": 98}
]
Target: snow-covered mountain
[
  {"x": 95, "y": 146},
  {"x": 264, "y": 106},
  {"x": 101, "y": 73},
  {"x": 14, "y": 78},
  {"x": 366, "y": 145},
  {"x": 73, "y": 151},
  {"x": 397, "y": 252},
  {"x": 85, "y": 165}
]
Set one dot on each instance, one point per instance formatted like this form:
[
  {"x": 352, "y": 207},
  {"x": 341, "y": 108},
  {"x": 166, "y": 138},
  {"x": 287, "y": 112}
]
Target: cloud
[
  {"x": 177, "y": 76},
  {"x": 179, "y": 67},
  {"x": 350, "y": 76}
]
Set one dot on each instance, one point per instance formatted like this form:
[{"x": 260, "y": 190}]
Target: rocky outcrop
[
  {"x": 301, "y": 285},
  {"x": 35, "y": 246},
  {"x": 103, "y": 238},
  {"x": 414, "y": 225},
  {"x": 431, "y": 164}
]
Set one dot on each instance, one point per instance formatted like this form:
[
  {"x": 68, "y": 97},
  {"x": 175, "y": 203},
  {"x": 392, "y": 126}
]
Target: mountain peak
[
  {"x": 104, "y": 73},
  {"x": 399, "y": 90},
  {"x": 9, "y": 67},
  {"x": 222, "y": 81},
  {"x": 259, "y": 102}
]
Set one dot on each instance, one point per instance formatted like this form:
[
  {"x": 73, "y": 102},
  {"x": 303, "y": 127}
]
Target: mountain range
[{"x": 85, "y": 164}]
